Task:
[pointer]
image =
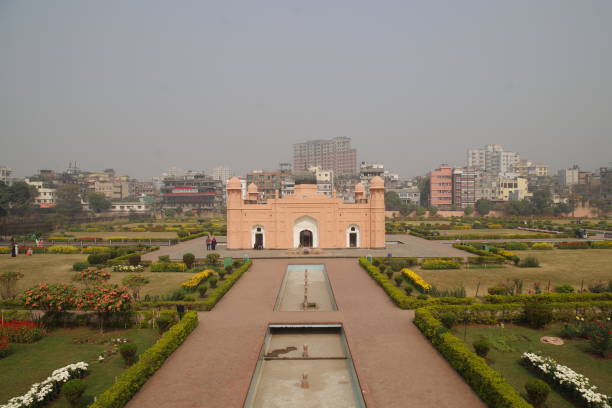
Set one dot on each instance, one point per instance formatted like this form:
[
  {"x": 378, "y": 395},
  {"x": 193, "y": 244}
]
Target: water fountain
[{"x": 305, "y": 288}]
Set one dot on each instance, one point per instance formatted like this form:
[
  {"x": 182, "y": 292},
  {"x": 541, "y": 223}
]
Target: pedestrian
[
  {"x": 213, "y": 243},
  {"x": 208, "y": 243},
  {"x": 13, "y": 247}
]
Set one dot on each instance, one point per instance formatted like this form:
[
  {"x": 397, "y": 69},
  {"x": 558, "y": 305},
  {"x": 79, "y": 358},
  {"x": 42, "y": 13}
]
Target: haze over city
[{"x": 141, "y": 86}]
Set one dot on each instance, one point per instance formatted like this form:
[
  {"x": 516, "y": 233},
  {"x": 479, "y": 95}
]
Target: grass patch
[
  {"x": 560, "y": 267},
  {"x": 58, "y": 269},
  {"x": 509, "y": 343},
  {"x": 130, "y": 234},
  {"x": 31, "y": 363}
]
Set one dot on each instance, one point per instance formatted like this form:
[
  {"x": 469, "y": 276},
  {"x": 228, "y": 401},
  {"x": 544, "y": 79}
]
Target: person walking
[
  {"x": 208, "y": 243},
  {"x": 213, "y": 243},
  {"x": 13, "y": 247}
]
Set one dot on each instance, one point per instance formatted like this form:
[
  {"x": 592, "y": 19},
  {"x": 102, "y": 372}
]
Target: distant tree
[
  {"x": 433, "y": 210},
  {"x": 424, "y": 189},
  {"x": 520, "y": 207},
  {"x": 392, "y": 201},
  {"x": 469, "y": 210},
  {"x": 406, "y": 209},
  {"x": 420, "y": 211},
  {"x": 484, "y": 206},
  {"x": 542, "y": 201},
  {"x": 68, "y": 199},
  {"x": 4, "y": 199},
  {"x": 98, "y": 202},
  {"x": 562, "y": 208}
]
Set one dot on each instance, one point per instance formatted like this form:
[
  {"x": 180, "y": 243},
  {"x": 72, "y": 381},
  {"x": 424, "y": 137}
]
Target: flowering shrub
[
  {"x": 416, "y": 280},
  {"x": 135, "y": 283},
  {"x": 128, "y": 268},
  {"x": 600, "y": 334},
  {"x": 196, "y": 279},
  {"x": 42, "y": 393},
  {"x": 95, "y": 249},
  {"x": 168, "y": 267},
  {"x": 567, "y": 380},
  {"x": 92, "y": 276},
  {"x": 51, "y": 297},
  {"x": 105, "y": 299},
  {"x": 20, "y": 331},
  {"x": 542, "y": 246},
  {"x": 601, "y": 244},
  {"x": 440, "y": 264},
  {"x": 62, "y": 249},
  {"x": 5, "y": 250}
]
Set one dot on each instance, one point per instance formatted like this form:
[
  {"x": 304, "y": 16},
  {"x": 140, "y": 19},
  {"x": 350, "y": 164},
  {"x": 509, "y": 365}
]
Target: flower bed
[
  {"x": 567, "y": 380},
  {"x": 128, "y": 268},
  {"x": 542, "y": 246},
  {"x": 44, "y": 392},
  {"x": 5, "y": 250},
  {"x": 161, "y": 266},
  {"x": 196, "y": 279},
  {"x": 439, "y": 264},
  {"x": 601, "y": 244},
  {"x": 63, "y": 249},
  {"x": 96, "y": 249},
  {"x": 21, "y": 331},
  {"x": 573, "y": 245},
  {"x": 416, "y": 280}
]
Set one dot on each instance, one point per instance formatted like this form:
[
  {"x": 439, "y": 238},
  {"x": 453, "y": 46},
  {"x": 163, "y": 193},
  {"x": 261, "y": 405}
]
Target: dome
[
  {"x": 252, "y": 188},
  {"x": 234, "y": 184},
  {"x": 377, "y": 182}
]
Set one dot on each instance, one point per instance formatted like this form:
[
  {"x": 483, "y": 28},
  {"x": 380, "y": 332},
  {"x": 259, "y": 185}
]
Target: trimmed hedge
[
  {"x": 120, "y": 393},
  {"x": 480, "y": 252},
  {"x": 440, "y": 264},
  {"x": 490, "y": 386},
  {"x": 573, "y": 245},
  {"x": 550, "y": 298},
  {"x": 168, "y": 267},
  {"x": 601, "y": 244},
  {"x": 542, "y": 246}
]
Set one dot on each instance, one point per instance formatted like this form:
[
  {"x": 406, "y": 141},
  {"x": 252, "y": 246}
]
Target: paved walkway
[
  {"x": 396, "y": 365},
  {"x": 408, "y": 246}
]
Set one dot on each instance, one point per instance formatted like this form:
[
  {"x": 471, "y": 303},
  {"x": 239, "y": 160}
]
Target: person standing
[
  {"x": 13, "y": 247},
  {"x": 208, "y": 242},
  {"x": 213, "y": 243}
]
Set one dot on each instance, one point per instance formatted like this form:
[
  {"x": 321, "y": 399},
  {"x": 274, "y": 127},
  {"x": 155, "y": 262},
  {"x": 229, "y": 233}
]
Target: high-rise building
[
  {"x": 269, "y": 183},
  {"x": 335, "y": 154},
  {"x": 441, "y": 187},
  {"x": 5, "y": 173},
  {"x": 493, "y": 159},
  {"x": 464, "y": 187},
  {"x": 568, "y": 177},
  {"x": 222, "y": 173}
]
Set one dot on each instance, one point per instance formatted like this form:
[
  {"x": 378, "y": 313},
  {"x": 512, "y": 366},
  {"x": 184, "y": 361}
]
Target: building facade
[
  {"x": 335, "y": 154},
  {"x": 306, "y": 219},
  {"x": 441, "y": 187},
  {"x": 464, "y": 187},
  {"x": 222, "y": 173},
  {"x": 493, "y": 159},
  {"x": 193, "y": 191},
  {"x": 5, "y": 174}
]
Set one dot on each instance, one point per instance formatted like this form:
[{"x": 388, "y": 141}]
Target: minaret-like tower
[
  {"x": 377, "y": 212},
  {"x": 234, "y": 208}
]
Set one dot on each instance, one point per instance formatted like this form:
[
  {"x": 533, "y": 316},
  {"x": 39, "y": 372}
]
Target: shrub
[
  {"x": 529, "y": 262},
  {"x": 416, "y": 280},
  {"x": 98, "y": 258},
  {"x": 408, "y": 290},
  {"x": 601, "y": 337},
  {"x": 601, "y": 287},
  {"x": 537, "y": 315},
  {"x": 80, "y": 266},
  {"x": 134, "y": 377},
  {"x": 440, "y": 264},
  {"x": 5, "y": 250},
  {"x": 573, "y": 245},
  {"x": 601, "y": 244},
  {"x": 398, "y": 280},
  {"x": 163, "y": 258},
  {"x": 73, "y": 391},
  {"x": 5, "y": 347},
  {"x": 188, "y": 259},
  {"x": 202, "y": 290},
  {"x": 497, "y": 290},
  {"x": 542, "y": 246},
  {"x": 163, "y": 323},
  {"x": 516, "y": 246},
  {"x": 213, "y": 258},
  {"x": 63, "y": 249},
  {"x": 229, "y": 269},
  {"x": 564, "y": 289},
  {"x": 129, "y": 352},
  {"x": 196, "y": 279},
  {"x": 95, "y": 249},
  {"x": 537, "y": 391},
  {"x": 482, "y": 347},
  {"x": 448, "y": 319},
  {"x": 134, "y": 259},
  {"x": 569, "y": 331},
  {"x": 168, "y": 267},
  {"x": 213, "y": 281}
]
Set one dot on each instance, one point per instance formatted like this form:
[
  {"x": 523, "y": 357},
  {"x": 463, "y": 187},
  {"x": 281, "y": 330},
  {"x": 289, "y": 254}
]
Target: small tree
[
  {"x": 202, "y": 290},
  {"x": 482, "y": 347},
  {"x": 98, "y": 202},
  {"x": 433, "y": 210},
  {"x": 188, "y": 259},
  {"x": 484, "y": 206},
  {"x": 129, "y": 352},
  {"x": 8, "y": 284},
  {"x": 469, "y": 210},
  {"x": 135, "y": 283},
  {"x": 213, "y": 258},
  {"x": 538, "y": 315}
]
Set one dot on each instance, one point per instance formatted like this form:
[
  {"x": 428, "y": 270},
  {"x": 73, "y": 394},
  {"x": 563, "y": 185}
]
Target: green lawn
[
  {"x": 483, "y": 231},
  {"x": 130, "y": 234},
  {"x": 58, "y": 269},
  {"x": 31, "y": 363},
  {"x": 509, "y": 343},
  {"x": 559, "y": 266}
]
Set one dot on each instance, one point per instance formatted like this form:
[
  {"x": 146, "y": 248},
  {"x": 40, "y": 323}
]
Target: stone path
[
  {"x": 410, "y": 246},
  {"x": 396, "y": 365}
]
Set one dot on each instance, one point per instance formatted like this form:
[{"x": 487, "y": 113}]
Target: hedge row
[
  {"x": 398, "y": 297},
  {"x": 490, "y": 386},
  {"x": 440, "y": 264},
  {"x": 549, "y": 298},
  {"x": 480, "y": 252},
  {"x": 126, "y": 386}
]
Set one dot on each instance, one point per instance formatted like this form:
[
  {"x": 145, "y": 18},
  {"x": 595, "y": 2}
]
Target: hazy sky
[{"x": 144, "y": 85}]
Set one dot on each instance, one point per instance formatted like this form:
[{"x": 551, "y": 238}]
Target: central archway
[{"x": 305, "y": 232}]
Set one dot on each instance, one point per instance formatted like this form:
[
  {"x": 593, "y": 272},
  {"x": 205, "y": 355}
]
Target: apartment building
[
  {"x": 441, "y": 187},
  {"x": 464, "y": 187},
  {"x": 335, "y": 154},
  {"x": 493, "y": 159}
]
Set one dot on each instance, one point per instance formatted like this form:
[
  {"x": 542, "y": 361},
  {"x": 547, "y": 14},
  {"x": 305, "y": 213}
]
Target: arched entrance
[
  {"x": 306, "y": 239},
  {"x": 305, "y": 231},
  {"x": 353, "y": 239},
  {"x": 258, "y": 239}
]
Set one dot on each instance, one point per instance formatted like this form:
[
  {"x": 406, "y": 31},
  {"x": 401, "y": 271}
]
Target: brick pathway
[{"x": 396, "y": 365}]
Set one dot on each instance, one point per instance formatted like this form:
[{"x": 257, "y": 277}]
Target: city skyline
[{"x": 237, "y": 84}]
